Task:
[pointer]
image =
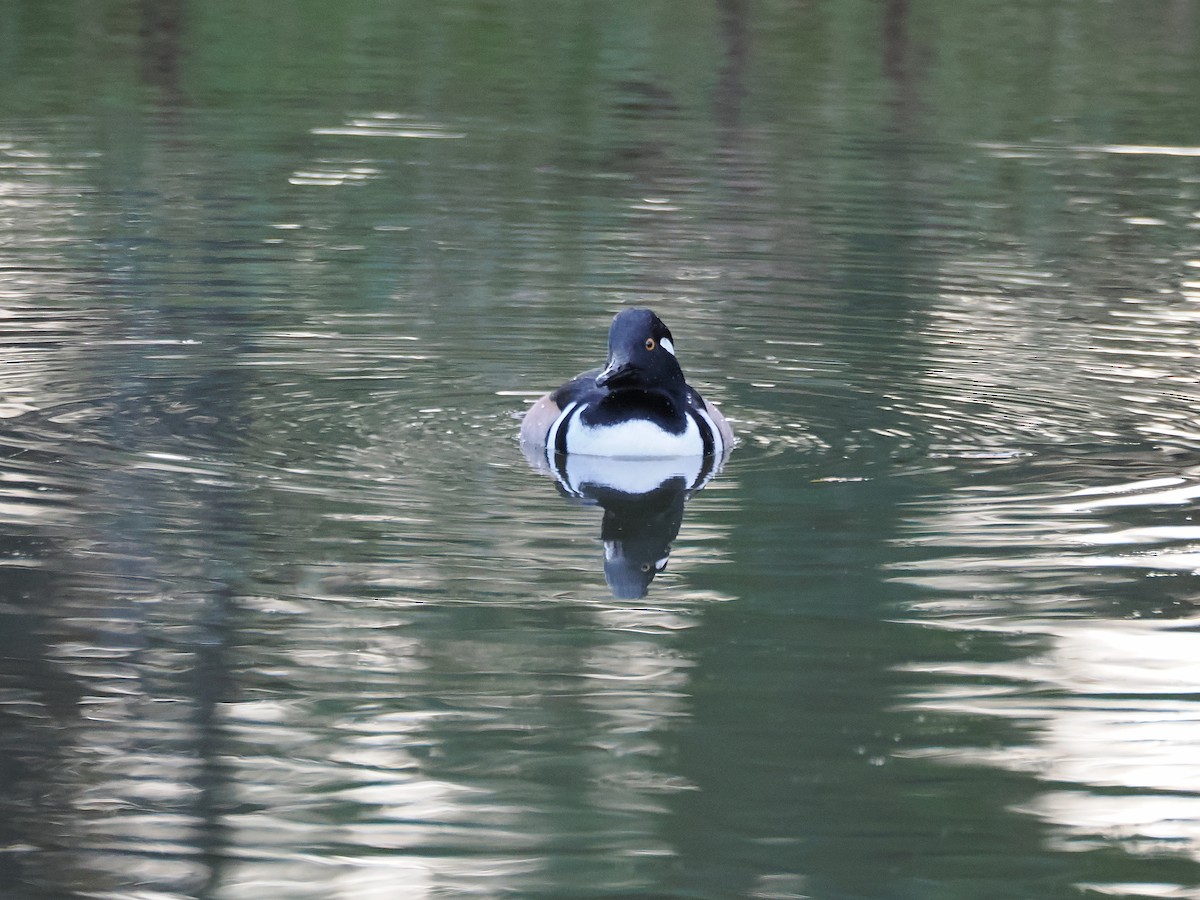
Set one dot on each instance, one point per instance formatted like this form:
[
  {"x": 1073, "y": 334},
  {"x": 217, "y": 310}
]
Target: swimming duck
[{"x": 637, "y": 407}]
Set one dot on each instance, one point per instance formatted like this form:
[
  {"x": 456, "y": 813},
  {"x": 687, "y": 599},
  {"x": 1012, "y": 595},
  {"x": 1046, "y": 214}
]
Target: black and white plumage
[{"x": 639, "y": 406}]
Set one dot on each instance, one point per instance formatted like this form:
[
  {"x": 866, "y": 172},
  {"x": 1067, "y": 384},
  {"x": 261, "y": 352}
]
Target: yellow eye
[{"x": 649, "y": 343}]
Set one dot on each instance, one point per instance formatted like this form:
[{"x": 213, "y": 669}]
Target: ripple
[
  {"x": 334, "y": 173},
  {"x": 391, "y": 125},
  {"x": 986, "y": 540},
  {"x": 1111, "y": 715}
]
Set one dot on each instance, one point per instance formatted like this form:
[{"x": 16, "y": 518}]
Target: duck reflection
[{"x": 643, "y": 501}]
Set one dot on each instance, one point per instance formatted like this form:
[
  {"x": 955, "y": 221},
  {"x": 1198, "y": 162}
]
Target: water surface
[{"x": 284, "y": 611}]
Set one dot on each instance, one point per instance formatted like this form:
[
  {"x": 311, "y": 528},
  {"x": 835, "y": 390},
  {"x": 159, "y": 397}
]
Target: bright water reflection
[
  {"x": 284, "y": 613},
  {"x": 1104, "y": 690}
]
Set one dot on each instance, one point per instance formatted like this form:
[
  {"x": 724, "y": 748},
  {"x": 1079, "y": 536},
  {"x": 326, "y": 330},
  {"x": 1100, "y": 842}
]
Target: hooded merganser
[{"x": 637, "y": 407}]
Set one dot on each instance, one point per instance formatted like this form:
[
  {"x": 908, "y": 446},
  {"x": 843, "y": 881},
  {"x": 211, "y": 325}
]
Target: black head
[{"x": 641, "y": 353}]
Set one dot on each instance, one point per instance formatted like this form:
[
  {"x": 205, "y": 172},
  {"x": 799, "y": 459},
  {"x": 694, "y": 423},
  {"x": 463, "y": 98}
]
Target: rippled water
[{"x": 284, "y": 611}]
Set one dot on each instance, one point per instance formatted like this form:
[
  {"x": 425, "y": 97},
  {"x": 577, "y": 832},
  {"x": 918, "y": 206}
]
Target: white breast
[{"x": 636, "y": 439}]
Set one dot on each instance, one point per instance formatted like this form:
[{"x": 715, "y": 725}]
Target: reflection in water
[
  {"x": 1106, "y": 709},
  {"x": 1112, "y": 710},
  {"x": 1035, "y": 540},
  {"x": 643, "y": 501},
  {"x": 1063, "y": 562}
]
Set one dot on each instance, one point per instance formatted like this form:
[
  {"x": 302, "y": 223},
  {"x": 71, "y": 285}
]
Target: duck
[{"x": 637, "y": 406}]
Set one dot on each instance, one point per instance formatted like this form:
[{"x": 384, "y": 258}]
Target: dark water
[{"x": 284, "y": 612}]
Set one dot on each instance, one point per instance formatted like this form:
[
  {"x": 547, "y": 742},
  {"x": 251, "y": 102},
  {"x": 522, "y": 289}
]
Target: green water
[{"x": 284, "y": 611}]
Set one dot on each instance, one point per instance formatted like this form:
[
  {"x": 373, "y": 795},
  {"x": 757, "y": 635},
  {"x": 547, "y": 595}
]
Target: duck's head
[{"x": 641, "y": 353}]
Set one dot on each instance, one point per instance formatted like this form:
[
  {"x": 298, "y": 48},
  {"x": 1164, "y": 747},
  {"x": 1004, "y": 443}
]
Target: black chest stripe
[
  {"x": 706, "y": 434},
  {"x": 560, "y": 437}
]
